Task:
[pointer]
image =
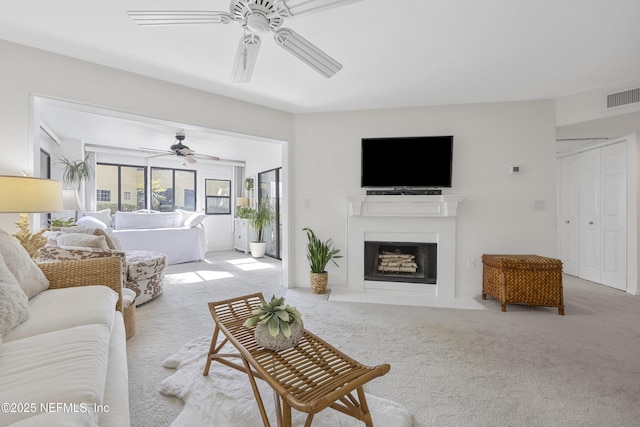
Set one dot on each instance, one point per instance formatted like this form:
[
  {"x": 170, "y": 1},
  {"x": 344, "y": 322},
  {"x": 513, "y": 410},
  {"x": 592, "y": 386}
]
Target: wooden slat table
[{"x": 309, "y": 377}]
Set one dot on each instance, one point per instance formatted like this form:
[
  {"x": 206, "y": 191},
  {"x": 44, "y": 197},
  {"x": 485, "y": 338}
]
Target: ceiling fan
[
  {"x": 182, "y": 151},
  {"x": 257, "y": 17}
]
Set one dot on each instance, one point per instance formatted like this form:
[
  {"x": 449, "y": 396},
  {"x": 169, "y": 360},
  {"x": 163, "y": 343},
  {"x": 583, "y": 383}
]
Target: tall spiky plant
[
  {"x": 76, "y": 171},
  {"x": 261, "y": 217},
  {"x": 319, "y": 253}
]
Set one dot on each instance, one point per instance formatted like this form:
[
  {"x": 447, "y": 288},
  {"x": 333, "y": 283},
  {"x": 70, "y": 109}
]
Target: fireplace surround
[{"x": 402, "y": 218}]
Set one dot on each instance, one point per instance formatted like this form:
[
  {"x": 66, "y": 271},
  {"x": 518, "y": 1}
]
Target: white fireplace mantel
[
  {"x": 402, "y": 218},
  {"x": 404, "y": 206}
]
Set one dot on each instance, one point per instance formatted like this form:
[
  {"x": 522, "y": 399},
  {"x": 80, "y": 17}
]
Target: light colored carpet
[
  {"x": 225, "y": 398},
  {"x": 449, "y": 367}
]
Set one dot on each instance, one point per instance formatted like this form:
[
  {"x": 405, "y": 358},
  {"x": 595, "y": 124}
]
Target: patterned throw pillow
[
  {"x": 26, "y": 272},
  {"x": 14, "y": 305}
]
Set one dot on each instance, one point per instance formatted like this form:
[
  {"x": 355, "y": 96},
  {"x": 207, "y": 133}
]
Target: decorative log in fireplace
[
  {"x": 400, "y": 262},
  {"x": 397, "y": 262}
]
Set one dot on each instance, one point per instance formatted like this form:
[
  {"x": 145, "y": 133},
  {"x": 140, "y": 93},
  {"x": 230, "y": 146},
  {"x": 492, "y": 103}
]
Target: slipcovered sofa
[
  {"x": 63, "y": 358},
  {"x": 179, "y": 235}
]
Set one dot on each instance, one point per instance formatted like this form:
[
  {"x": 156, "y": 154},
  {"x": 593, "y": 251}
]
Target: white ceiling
[{"x": 395, "y": 53}]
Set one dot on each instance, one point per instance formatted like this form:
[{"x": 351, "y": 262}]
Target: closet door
[
  {"x": 569, "y": 214},
  {"x": 590, "y": 249},
  {"x": 603, "y": 194},
  {"x": 614, "y": 216}
]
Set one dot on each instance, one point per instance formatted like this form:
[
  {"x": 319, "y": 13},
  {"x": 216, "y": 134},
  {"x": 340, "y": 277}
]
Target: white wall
[
  {"x": 497, "y": 215},
  {"x": 26, "y": 71},
  {"x": 323, "y": 162}
]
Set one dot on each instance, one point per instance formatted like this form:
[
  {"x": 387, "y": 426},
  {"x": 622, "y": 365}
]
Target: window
[
  {"x": 173, "y": 189},
  {"x": 126, "y": 183},
  {"x": 218, "y": 196},
  {"x": 103, "y": 196}
]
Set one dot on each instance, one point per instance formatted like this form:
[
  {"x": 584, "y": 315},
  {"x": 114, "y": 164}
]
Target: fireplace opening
[{"x": 400, "y": 262}]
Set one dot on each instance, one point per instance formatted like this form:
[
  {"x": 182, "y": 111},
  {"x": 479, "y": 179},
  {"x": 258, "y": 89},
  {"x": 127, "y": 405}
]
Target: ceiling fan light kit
[{"x": 256, "y": 17}]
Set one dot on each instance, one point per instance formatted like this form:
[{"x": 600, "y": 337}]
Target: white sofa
[
  {"x": 179, "y": 235},
  {"x": 63, "y": 358}
]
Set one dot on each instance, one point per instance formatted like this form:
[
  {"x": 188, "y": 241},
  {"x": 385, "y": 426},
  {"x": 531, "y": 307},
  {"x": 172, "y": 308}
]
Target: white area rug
[{"x": 224, "y": 397}]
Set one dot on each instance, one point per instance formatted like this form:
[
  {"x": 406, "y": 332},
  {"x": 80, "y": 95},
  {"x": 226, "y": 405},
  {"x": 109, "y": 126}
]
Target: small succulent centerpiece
[{"x": 278, "y": 325}]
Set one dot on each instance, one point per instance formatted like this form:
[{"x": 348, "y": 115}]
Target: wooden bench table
[{"x": 309, "y": 377}]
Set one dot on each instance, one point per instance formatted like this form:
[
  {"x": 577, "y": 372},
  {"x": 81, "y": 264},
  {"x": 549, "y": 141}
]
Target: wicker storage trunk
[{"x": 523, "y": 279}]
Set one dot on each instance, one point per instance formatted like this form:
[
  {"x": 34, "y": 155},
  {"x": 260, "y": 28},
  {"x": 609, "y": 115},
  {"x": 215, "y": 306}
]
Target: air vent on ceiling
[{"x": 621, "y": 99}]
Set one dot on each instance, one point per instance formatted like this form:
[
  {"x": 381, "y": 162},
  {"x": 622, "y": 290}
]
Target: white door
[
  {"x": 569, "y": 214},
  {"x": 614, "y": 216},
  {"x": 590, "y": 252}
]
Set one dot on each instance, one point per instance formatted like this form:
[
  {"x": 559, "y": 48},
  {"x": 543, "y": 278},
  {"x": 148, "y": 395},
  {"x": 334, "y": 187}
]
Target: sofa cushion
[
  {"x": 194, "y": 219},
  {"x": 67, "y": 366},
  {"x": 103, "y": 215},
  {"x": 30, "y": 278},
  {"x": 91, "y": 222},
  {"x": 14, "y": 304},
  {"x": 58, "y": 309},
  {"x": 59, "y": 419},
  {"x": 134, "y": 220}
]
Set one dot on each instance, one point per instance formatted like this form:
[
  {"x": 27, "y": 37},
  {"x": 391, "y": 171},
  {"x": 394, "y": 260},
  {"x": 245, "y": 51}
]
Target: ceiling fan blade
[
  {"x": 155, "y": 150},
  {"x": 177, "y": 17},
  {"x": 299, "y": 7},
  {"x": 246, "y": 56},
  {"x": 205, "y": 157},
  {"x": 190, "y": 159},
  {"x": 186, "y": 151},
  {"x": 307, "y": 52}
]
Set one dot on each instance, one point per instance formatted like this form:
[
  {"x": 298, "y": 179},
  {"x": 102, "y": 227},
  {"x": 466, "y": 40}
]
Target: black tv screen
[{"x": 421, "y": 161}]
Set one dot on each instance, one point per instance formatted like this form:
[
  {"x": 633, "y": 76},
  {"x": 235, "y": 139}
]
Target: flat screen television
[{"x": 407, "y": 162}]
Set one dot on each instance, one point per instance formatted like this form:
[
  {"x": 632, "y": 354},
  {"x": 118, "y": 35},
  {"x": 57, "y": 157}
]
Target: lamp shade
[
  {"x": 19, "y": 194},
  {"x": 242, "y": 201},
  {"x": 71, "y": 201}
]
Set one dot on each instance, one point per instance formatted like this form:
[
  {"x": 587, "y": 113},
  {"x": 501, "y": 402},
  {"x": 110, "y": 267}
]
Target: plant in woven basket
[{"x": 319, "y": 254}]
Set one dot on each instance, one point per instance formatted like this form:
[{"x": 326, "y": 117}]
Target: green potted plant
[
  {"x": 319, "y": 254},
  {"x": 74, "y": 172},
  {"x": 278, "y": 325},
  {"x": 57, "y": 223},
  {"x": 259, "y": 218}
]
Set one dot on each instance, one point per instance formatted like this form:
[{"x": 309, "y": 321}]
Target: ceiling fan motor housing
[
  {"x": 258, "y": 16},
  {"x": 179, "y": 148}
]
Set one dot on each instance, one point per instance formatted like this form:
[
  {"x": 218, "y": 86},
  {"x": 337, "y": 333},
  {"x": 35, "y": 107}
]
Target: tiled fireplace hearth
[{"x": 409, "y": 220}]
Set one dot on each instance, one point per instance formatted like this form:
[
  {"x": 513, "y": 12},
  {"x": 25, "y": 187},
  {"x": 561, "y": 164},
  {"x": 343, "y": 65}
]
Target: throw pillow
[
  {"x": 79, "y": 240},
  {"x": 91, "y": 222},
  {"x": 103, "y": 215},
  {"x": 14, "y": 305},
  {"x": 110, "y": 239},
  {"x": 27, "y": 273},
  {"x": 194, "y": 220}
]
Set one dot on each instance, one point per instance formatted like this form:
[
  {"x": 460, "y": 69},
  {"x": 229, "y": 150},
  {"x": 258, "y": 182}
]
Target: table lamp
[
  {"x": 24, "y": 195},
  {"x": 71, "y": 202}
]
